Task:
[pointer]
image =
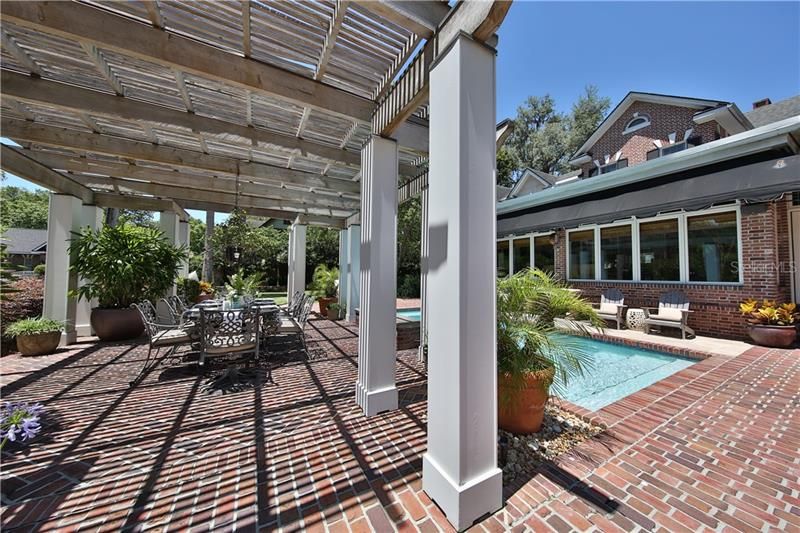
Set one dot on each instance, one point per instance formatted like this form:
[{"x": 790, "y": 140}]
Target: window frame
[
  {"x": 637, "y": 116},
  {"x": 683, "y": 246},
  {"x": 531, "y": 240}
]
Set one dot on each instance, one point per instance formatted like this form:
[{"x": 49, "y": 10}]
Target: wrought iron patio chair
[
  {"x": 612, "y": 306},
  {"x": 672, "y": 312},
  {"x": 294, "y": 301},
  {"x": 294, "y": 326},
  {"x": 160, "y": 336},
  {"x": 229, "y": 332}
]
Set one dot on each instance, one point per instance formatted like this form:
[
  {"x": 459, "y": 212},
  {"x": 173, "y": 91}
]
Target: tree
[
  {"x": 409, "y": 233},
  {"x": 197, "y": 238},
  {"x": 20, "y": 208},
  {"x": 137, "y": 218},
  {"x": 544, "y": 139},
  {"x": 322, "y": 248}
]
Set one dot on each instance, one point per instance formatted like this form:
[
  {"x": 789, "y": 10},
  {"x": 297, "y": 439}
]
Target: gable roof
[
  {"x": 768, "y": 114},
  {"x": 25, "y": 241},
  {"x": 547, "y": 180},
  {"x": 635, "y": 96}
]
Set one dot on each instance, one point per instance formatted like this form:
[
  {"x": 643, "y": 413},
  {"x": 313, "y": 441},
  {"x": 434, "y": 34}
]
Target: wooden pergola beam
[
  {"x": 19, "y": 54},
  {"x": 17, "y": 163},
  {"x": 105, "y": 30},
  {"x": 316, "y": 220},
  {"x": 172, "y": 178},
  {"x": 420, "y": 17},
  {"x": 141, "y": 203},
  {"x": 114, "y": 146},
  {"x": 337, "y": 19}
]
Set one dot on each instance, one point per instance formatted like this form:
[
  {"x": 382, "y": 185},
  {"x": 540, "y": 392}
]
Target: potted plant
[
  {"x": 189, "y": 288},
  {"x": 770, "y": 324},
  {"x": 239, "y": 286},
  {"x": 530, "y": 357},
  {"x": 206, "y": 291},
  {"x": 122, "y": 265},
  {"x": 335, "y": 311},
  {"x": 325, "y": 283},
  {"x": 36, "y": 336}
]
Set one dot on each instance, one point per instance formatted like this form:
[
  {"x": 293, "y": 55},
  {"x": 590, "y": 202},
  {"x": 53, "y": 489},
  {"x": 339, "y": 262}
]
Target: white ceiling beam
[
  {"x": 339, "y": 11},
  {"x": 180, "y": 81},
  {"x": 101, "y": 144},
  {"x": 314, "y": 220},
  {"x": 140, "y": 203},
  {"x": 173, "y": 178},
  {"x": 17, "y": 163},
  {"x": 398, "y": 63},
  {"x": 106, "y": 30},
  {"x": 419, "y": 17}
]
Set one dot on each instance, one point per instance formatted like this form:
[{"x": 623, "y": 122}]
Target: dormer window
[{"x": 639, "y": 121}]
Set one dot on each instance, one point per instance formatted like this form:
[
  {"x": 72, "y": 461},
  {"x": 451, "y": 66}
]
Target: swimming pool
[
  {"x": 617, "y": 371},
  {"x": 409, "y": 314}
]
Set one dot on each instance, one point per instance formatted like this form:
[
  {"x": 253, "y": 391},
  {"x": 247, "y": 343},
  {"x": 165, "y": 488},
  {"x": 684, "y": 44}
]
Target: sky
[{"x": 733, "y": 51}]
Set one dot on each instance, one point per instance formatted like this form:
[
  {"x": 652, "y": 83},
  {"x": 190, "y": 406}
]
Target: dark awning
[{"x": 697, "y": 189}]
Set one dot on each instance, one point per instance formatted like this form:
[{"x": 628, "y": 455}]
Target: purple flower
[{"x": 19, "y": 420}]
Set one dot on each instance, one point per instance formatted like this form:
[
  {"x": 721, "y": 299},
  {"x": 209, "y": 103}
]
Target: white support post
[
  {"x": 91, "y": 217},
  {"x": 354, "y": 270},
  {"x": 208, "y": 260},
  {"x": 63, "y": 218},
  {"x": 297, "y": 259},
  {"x": 459, "y": 470},
  {"x": 377, "y": 343},
  {"x": 423, "y": 272},
  {"x": 170, "y": 223},
  {"x": 184, "y": 236},
  {"x": 344, "y": 268}
]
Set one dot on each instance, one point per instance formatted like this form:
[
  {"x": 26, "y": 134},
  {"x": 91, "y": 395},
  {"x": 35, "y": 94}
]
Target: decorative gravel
[{"x": 561, "y": 431}]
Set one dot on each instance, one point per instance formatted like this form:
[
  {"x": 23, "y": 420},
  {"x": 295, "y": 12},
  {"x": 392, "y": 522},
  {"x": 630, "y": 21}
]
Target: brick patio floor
[{"x": 714, "y": 447}]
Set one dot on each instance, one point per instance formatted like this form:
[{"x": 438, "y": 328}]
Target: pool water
[
  {"x": 409, "y": 314},
  {"x": 617, "y": 371}
]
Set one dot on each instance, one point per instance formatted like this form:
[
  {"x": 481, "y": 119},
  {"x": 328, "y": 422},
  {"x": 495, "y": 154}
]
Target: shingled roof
[
  {"x": 25, "y": 241},
  {"x": 770, "y": 113}
]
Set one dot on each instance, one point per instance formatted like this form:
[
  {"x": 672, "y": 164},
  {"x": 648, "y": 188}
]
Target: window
[
  {"x": 659, "y": 250},
  {"x": 503, "y": 268},
  {"x": 544, "y": 253},
  {"x": 638, "y": 122},
  {"x": 605, "y": 169},
  {"x": 713, "y": 247},
  {"x": 522, "y": 254},
  {"x": 616, "y": 249},
  {"x": 673, "y": 148},
  {"x": 581, "y": 254}
]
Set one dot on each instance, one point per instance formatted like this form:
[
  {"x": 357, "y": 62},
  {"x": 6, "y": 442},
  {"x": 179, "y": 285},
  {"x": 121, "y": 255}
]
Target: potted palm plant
[
  {"x": 121, "y": 265},
  {"x": 771, "y": 324},
  {"x": 36, "y": 336},
  {"x": 239, "y": 285},
  {"x": 325, "y": 283},
  {"x": 531, "y": 356}
]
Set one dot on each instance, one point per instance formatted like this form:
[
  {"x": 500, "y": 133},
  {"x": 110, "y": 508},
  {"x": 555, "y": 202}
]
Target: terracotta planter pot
[
  {"x": 324, "y": 303},
  {"x": 773, "y": 336},
  {"x": 521, "y": 411},
  {"x": 204, "y": 297},
  {"x": 40, "y": 344},
  {"x": 116, "y": 324}
]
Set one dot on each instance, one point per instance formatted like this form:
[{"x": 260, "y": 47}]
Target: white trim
[
  {"x": 531, "y": 245},
  {"x": 749, "y": 142},
  {"x": 683, "y": 246}
]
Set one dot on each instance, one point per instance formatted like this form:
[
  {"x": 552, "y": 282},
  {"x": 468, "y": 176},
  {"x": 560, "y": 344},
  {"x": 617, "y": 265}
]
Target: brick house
[{"x": 670, "y": 193}]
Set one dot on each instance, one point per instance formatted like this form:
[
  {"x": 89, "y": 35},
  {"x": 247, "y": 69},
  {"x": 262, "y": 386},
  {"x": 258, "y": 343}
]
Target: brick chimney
[{"x": 761, "y": 103}]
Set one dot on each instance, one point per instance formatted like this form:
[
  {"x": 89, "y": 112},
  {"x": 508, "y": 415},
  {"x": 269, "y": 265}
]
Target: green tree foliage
[
  {"x": 409, "y": 228},
  {"x": 137, "y": 218},
  {"x": 197, "y": 240},
  {"x": 507, "y": 165},
  {"x": 322, "y": 248},
  {"x": 20, "y": 208},
  {"x": 544, "y": 139}
]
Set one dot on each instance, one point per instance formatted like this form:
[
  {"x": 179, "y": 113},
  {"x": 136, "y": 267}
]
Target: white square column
[
  {"x": 353, "y": 270},
  {"x": 459, "y": 470},
  {"x": 377, "y": 343},
  {"x": 297, "y": 259},
  {"x": 183, "y": 240},
  {"x": 423, "y": 273},
  {"x": 344, "y": 268},
  {"x": 170, "y": 223},
  {"x": 63, "y": 217},
  {"x": 91, "y": 217}
]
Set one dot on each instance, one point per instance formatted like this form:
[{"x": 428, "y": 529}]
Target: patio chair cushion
[
  {"x": 608, "y": 309},
  {"x": 668, "y": 313},
  {"x": 170, "y": 337},
  {"x": 231, "y": 349},
  {"x": 289, "y": 325}
]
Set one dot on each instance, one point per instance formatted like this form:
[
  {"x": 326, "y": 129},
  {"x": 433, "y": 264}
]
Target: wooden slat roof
[{"x": 345, "y": 51}]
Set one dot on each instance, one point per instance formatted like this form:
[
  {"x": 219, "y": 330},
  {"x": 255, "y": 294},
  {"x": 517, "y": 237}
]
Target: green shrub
[
  {"x": 34, "y": 326},
  {"x": 188, "y": 289},
  {"x": 124, "y": 264},
  {"x": 408, "y": 286},
  {"x": 325, "y": 281},
  {"x": 39, "y": 269}
]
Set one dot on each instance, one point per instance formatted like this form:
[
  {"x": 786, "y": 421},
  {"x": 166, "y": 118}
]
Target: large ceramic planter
[
  {"x": 323, "y": 305},
  {"x": 521, "y": 411},
  {"x": 773, "y": 336},
  {"x": 116, "y": 324},
  {"x": 39, "y": 344}
]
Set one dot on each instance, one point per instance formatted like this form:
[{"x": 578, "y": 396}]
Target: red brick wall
[
  {"x": 765, "y": 253},
  {"x": 664, "y": 119}
]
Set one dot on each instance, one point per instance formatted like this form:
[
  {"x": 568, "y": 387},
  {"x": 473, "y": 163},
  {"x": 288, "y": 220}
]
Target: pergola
[{"x": 314, "y": 112}]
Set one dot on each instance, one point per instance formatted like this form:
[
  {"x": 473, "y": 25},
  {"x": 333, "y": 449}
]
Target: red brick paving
[{"x": 713, "y": 447}]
